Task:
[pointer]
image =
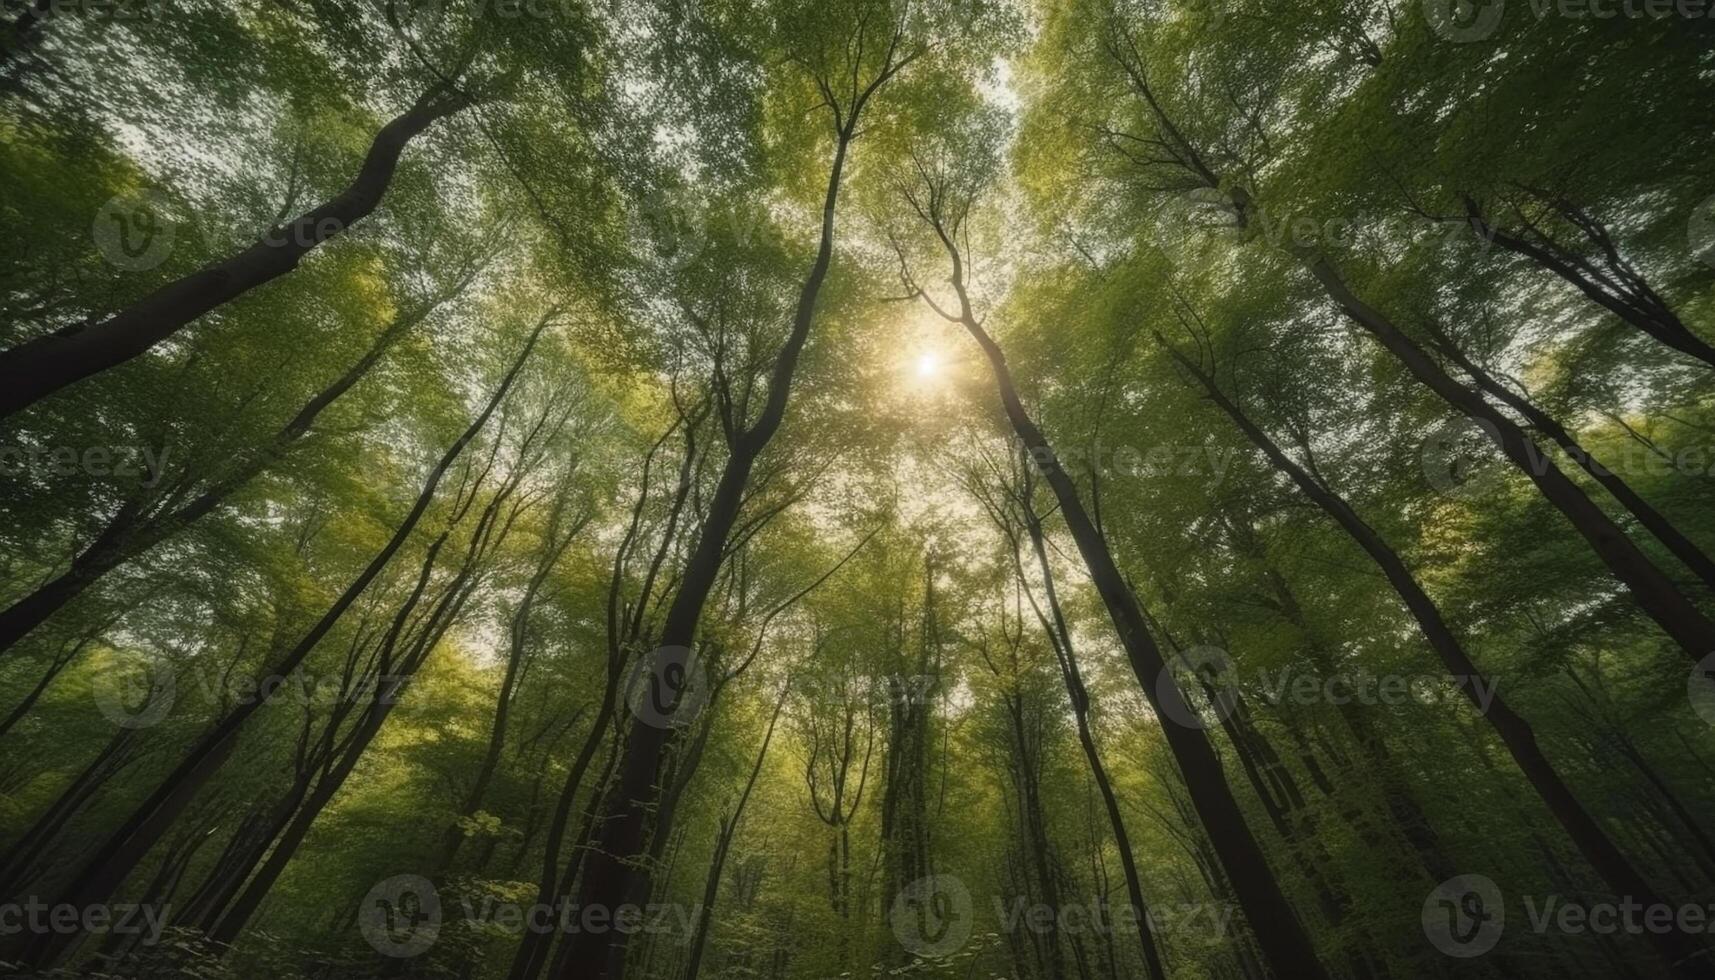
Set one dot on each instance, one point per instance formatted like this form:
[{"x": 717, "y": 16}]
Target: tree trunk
[
  {"x": 1278, "y": 931},
  {"x": 38, "y": 368},
  {"x": 729, "y": 826},
  {"x": 1620, "y": 291},
  {"x": 1652, "y": 589},
  {"x": 607, "y": 876},
  {"x": 100, "y": 877},
  {"x": 132, "y": 532},
  {"x": 1653, "y": 521},
  {"x": 1683, "y": 953},
  {"x": 1060, "y": 637}
]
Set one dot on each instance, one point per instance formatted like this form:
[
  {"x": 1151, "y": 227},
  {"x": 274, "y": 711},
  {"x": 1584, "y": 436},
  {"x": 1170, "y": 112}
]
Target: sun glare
[{"x": 928, "y": 365}]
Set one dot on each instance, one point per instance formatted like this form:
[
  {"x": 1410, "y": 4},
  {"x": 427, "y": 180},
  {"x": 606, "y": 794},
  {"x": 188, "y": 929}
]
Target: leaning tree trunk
[
  {"x": 1653, "y": 520},
  {"x": 1650, "y": 587},
  {"x": 553, "y": 546},
  {"x": 1060, "y": 637},
  {"x": 607, "y": 872},
  {"x": 131, "y": 532},
  {"x": 38, "y": 368},
  {"x": 729, "y": 827},
  {"x": 1686, "y": 956},
  {"x": 101, "y": 876},
  {"x": 1278, "y": 932},
  {"x": 389, "y": 685},
  {"x": 1620, "y": 290},
  {"x": 1654, "y": 592}
]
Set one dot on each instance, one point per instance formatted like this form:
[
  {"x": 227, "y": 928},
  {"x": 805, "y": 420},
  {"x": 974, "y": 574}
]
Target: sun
[{"x": 928, "y": 365}]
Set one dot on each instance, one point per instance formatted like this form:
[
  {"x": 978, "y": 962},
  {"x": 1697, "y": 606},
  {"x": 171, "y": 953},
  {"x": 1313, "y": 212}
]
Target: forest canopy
[{"x": 709, "y": 489}]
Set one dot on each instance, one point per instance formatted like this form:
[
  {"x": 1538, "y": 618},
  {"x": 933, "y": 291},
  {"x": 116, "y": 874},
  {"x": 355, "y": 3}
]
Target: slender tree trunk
[
  {"x": 527, "y": 960},
  {"x": 723, "y": 842},
  {"x": 17, "y": 861},
  {"x": 132, "y": 532},
  {"x": 607, "y": 875},
  {"x": 38, "y": 368},
  {"x": 1686, "y": 955},
  {"x": 1626, "y": 294},
  {"x": 61, "y": 659},
  {"x": 1653, "y": 590},
  {"x": 1278, "y": 931},
  {"x": 553, "y": 547},
  {"x": 100, "y": 877},
  {"x": 1653, "y": 521}
]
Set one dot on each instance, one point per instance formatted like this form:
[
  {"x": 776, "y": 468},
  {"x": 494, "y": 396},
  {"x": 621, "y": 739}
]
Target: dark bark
[
  {"x": 558, "y": 538},
  {"x": 134, "y": 528},
  {"x": 723, "y": 843},
  {"x": 391, "y": 676},
  {"x": 1060, "y": 639},
  {"x": 607, "y": 874},
  {"x": 38, "y": 368},
  {"x": 1684, "y": 953},
  {"x": 1278, "y": 932},
  {"x": 1654, "y": 592},
  {"x": 100, "y": 877},
  {"x": 1611, "y": 283},
  {"x": 1650, "y": 587},
  {"x": 1653, "y": 520}
]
